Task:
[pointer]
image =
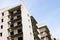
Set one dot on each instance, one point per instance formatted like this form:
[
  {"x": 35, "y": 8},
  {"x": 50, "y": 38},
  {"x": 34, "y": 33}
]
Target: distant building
[
  {"x": 44, "y": 32},
  {"x": 17, "y": 24}
]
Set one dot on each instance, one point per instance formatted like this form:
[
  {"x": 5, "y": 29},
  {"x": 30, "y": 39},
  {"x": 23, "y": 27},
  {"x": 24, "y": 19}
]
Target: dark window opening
[
  {"x": 0, "y": 34},
  {"x": 11, "y": 12},
  {"x": 2, "y": 20},
  {"x": 2, "y": 14},
  {"x": 18, "y": 16},
  {"x": 12, "y": 33},
  {"x": 1, "y": 26},
  {"x": 11, "y": 25},
  {"x": 19, "y": 23},
  {"x": 20, "y": 38},
  {"x": 11, "y": 18},
  {"x": 18, "y": 10},
  {"x": 19, "y": 30}
]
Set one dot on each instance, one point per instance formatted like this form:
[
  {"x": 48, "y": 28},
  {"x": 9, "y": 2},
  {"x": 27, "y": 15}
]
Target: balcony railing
[
  {"x": 16, "y": 35},
  {"x": 44, "y": 30},
  {"x": 34, "y": 27},
  {"x": 12, "y": 14},
  {"x": 13, "y": 28},
  {"x": 15, "y": 20},
  {"x": 36, "y": 37},
  {"x": 45, "y": 36},
  {"x": 35, "y": 31}
]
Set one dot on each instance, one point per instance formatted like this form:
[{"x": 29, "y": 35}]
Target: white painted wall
[
  {"x": 27, "y": 32},
  {"x": 5, "y": 25}
]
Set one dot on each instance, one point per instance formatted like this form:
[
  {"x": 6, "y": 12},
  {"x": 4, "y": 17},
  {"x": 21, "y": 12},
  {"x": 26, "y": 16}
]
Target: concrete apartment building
[
  {"x": 17, "y": 24},
  {"x": 44, "y": 32}
]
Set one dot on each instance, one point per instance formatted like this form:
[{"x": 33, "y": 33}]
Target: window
[
  {"x": 0, "y": 34},
  {"x": 11, "y": 25},
  {"x": 2, "y": 14},
  {"x": 18, "y": 16},
  {"x": 12, "y": 33},
  {"x": 19, "y": 23},
  {"x": 1, "y": 26},
  {"x": 11, "y": 18},
  {"x": 18, "y": 10},
  {"x": 20, "y": 38},
  {"x": 11, "y": 12},
  {"x": 1, "y": 20},
  {"x": 19, "y": 30}
]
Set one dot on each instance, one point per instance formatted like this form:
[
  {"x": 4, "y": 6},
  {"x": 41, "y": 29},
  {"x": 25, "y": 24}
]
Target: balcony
[
  {"x": 34, "y": 27},
  {"x": 36, "y": 37},
  {"x": 43, "y": 36},
  {"x": 13, "y": 28},
  {"x": 16, "y": 35},
  {"x": 35, "y": 31},
  {"x": 12, "y": 15},
  {"x": 15, "y": 20}
]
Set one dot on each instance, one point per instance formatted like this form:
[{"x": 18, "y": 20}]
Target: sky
[{"x": 44, "y": 11}]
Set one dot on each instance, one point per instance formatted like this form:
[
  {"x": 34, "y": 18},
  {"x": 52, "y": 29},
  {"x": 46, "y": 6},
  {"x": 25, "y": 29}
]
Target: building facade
[
  {"x": 44, "y": 32},
  {"x": 35, "y": 27},
  {"x": 17, "y": 24}
]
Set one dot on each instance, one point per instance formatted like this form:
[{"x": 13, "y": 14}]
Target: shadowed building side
[
  {"x": 44, "y": 32},
  {"x": 35, "y": 32}
]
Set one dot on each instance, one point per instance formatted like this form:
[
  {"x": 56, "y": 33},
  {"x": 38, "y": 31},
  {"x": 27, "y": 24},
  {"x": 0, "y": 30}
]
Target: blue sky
[{"x": 44, "y": 11}]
